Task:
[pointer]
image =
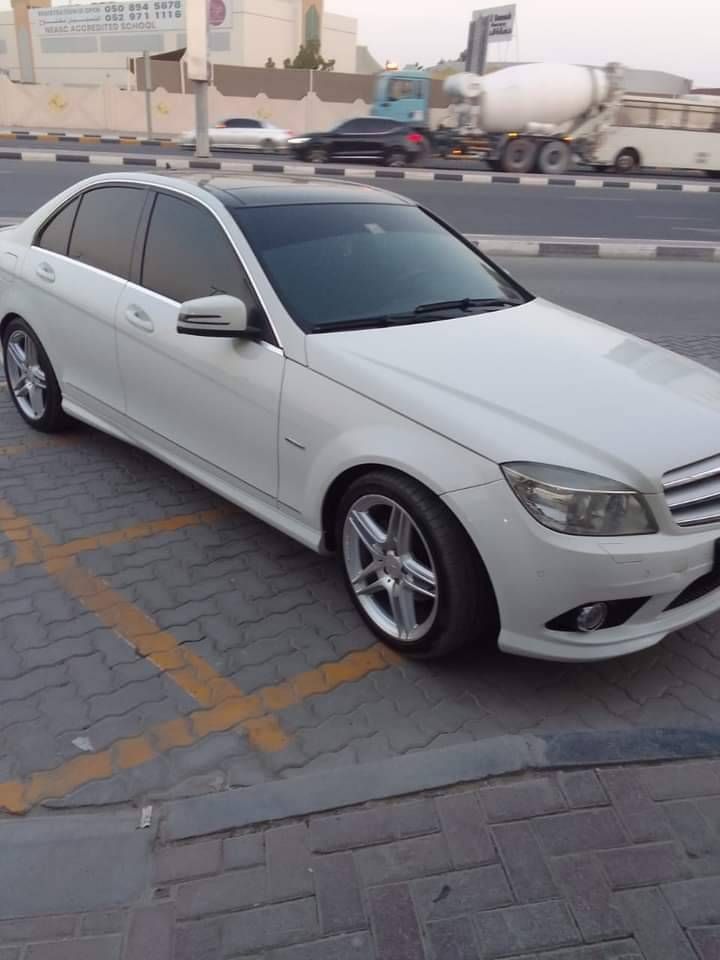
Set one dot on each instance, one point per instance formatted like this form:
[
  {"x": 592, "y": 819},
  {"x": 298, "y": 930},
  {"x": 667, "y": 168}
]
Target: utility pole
[
  {"x": 484, "y": 26},
  {"x": 476, "y": 57},
  {"x": 198, "y": 73}
]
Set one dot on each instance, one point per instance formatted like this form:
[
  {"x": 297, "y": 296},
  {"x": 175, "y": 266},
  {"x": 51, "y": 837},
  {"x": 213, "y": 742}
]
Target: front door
[{"x": 218, "y": 399}]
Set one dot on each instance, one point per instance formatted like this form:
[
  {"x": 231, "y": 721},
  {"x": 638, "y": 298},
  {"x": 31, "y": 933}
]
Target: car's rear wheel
[
  {"x": 268, "y": 146},
  {"x": 412, "y": 571},
  {"x": 31, "y": 379},
  {"x": 395, "y": 158},
  {"x": 317, "y": 156}
]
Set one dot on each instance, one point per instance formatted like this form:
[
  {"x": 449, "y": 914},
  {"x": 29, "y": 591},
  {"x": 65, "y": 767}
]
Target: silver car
[{"x": 242, "y": 133}]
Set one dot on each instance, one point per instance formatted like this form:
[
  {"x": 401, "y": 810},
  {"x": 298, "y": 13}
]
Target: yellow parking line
[
  {"x": 136, "y": 532},
  {"x": 186, "y": 669},
  {"x": 34, "y": 443},
  {"x": 53, "y": 551},
  {"x": 223, "y": 705},
  {"x": 249, "y": 712}
]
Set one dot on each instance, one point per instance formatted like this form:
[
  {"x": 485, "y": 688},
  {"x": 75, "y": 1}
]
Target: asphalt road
[
  {"x": 674, "y": 304},
  {"x": 477, "y": 208},
  {"x": 432, "y": 163}
]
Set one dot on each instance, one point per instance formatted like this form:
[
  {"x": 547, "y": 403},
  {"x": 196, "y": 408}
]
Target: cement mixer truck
[{"x": 535, "y": 116}]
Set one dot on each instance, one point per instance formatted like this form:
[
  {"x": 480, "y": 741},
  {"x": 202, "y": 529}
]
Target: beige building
[{"x": 71, "y": 44}]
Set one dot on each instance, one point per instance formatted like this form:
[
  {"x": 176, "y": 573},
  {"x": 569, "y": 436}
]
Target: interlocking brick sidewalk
[{"x": 617, "y": 863}]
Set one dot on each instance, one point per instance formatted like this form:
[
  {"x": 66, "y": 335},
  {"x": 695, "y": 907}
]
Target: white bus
[{"x": 678, "y": 133}]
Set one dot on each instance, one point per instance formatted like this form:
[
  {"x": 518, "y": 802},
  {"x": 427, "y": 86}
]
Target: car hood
[{"x": 537, "y": 382}]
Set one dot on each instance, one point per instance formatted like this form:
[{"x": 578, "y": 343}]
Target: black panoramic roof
[{"x": 254, "y": 191}]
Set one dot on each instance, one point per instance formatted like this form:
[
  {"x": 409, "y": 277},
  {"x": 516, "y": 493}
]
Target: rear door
[
  {"x": 382, "y": 136},
  {"x": 77, "y": 269}
]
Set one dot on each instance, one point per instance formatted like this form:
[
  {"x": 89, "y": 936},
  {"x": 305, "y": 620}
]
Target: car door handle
[
  {"x": 138, "y": 318},
  {"x": 45, "y": 272}
]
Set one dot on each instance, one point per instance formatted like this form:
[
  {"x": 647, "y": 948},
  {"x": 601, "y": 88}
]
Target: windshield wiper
[
  {"x": 365, "y": 323},
  {"x": 466, "y": 303},
  {"x": 423, "y": 313}
]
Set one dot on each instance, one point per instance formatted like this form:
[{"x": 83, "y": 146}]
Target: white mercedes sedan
[{"x": 334, "y": 359}]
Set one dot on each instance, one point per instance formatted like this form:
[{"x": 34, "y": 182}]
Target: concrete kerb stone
[
  {"x": 427, "y": 770},
  {"x": 595, "y": 248}
]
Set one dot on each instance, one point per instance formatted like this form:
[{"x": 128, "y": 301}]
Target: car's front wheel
[
  {"x": 411, "y": 569},
  {"x": 31, "y": 378}
]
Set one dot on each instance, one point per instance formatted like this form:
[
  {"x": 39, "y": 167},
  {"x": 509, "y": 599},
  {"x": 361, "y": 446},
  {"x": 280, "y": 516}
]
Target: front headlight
[
  {"x": 299, "y": 140},
  {"x": 579, "y": 503}
]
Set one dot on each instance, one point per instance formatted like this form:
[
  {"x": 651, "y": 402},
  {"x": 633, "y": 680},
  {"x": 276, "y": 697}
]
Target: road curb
[
  {"x": 50, "y": 136},
  {"x": 427, "y": 770},
  {"x": 594, "y": 248},
  {"x": 331, "y": 170}
]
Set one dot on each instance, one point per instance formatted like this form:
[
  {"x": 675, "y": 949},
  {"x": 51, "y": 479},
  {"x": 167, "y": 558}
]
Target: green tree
[{"x": 309, "y": 57}]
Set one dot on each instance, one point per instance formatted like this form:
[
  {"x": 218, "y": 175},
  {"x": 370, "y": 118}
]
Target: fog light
[{"x": 591, "y": 616}]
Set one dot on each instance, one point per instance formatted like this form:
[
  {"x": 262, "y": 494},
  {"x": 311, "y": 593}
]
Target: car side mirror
[{"x": 217, "y": 316}]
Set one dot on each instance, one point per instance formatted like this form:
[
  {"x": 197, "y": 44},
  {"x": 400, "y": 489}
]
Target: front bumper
[{"x": 538, "y": 574}]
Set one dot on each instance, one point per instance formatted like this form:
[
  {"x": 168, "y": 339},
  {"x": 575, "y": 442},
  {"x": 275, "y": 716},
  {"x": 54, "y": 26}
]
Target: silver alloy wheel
[
  {"x": 390, "y": 567},
  {"x": 28, "y": 381},
  {"x": 318, "y": 156}
]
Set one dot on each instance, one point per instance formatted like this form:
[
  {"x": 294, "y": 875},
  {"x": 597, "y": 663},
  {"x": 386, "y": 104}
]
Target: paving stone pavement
[
  {"x": 89, "y": 715},
  {"x": 589, "y": 864}
]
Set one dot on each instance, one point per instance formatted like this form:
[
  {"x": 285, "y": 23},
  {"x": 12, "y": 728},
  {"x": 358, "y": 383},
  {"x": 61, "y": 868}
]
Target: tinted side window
[
  {"x": 55, "y": 235},
  {"x": 350, "y": 126},
  {"x": 105, "y": 228},
  {"x": 187, "y": 255}
]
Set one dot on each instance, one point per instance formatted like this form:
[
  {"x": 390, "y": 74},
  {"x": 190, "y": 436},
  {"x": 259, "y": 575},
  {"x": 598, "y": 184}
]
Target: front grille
[{"x": 693, "y": 492}]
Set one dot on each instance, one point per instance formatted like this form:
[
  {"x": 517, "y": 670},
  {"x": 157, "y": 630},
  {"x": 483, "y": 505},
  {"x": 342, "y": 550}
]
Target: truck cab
[{"x": 402, "y": 95}]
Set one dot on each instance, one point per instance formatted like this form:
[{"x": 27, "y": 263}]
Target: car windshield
[{"x": 333, "y": 264}]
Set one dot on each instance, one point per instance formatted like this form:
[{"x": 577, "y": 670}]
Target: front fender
[{"x": 327, "y": 429}]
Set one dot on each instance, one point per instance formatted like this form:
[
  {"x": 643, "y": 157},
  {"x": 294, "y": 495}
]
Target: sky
[{"x": 680, "y": 37}]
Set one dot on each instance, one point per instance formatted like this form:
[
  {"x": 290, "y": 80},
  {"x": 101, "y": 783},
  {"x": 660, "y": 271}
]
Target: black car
[{"x": 365, "y": 138}]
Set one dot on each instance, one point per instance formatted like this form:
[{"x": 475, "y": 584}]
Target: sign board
[
  {"x": 501, "y": 22},
  {"x": 136, "y": 16}
]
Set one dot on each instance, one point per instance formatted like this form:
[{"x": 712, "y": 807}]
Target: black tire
[
  {"x": 466, "y": 610},
  {"x": 518, "y": 155},
  {"x": 268, "y": 146},
  {"x": 54, "y": 418},
  {"x": 554, "y": 157},
  {"x": 395, "y": 158},
  {"x": 714, "y": 174},
  {"x": 317, "y": 155},
  {"x": 627, "y": 161}
]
